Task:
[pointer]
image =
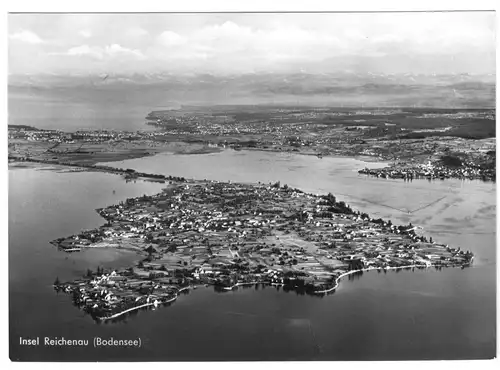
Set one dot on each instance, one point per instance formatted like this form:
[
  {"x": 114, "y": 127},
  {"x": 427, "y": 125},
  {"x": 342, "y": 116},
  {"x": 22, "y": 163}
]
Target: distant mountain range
[{"x": 319, "y": 89}]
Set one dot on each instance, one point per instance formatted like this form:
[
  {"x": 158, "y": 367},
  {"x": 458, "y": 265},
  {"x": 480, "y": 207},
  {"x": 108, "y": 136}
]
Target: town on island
[{"x": 229, "y": 234}]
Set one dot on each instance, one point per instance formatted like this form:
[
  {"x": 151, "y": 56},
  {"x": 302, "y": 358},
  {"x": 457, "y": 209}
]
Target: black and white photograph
[{"x": 244, "y": 186}]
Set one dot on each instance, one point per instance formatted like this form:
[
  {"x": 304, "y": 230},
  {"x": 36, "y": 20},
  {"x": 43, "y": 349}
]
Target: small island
[{"x": 231, "y": 234}]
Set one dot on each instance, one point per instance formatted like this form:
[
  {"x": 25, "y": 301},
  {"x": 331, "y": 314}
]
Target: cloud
[
  {"x": 84, "y": 50},
  {"x": 242, "y": 43},
  {"x": 226, "y": 29},
  {"x": 235, "y": 42},
  {"x": 97, "y": 52},
  {"x": 170, "y": 38},
  {"x": 85, "y": 33},
  {"x": 248, "y": 42},
  {"x": 26, "y": 36},
  {"x": 118, "y": 50}
]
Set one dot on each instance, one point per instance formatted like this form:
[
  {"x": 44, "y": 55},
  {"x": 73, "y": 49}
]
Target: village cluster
[{"x": 431, "y": 171}]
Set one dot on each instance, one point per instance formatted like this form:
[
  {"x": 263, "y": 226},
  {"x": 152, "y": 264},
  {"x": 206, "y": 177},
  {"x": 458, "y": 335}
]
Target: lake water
[
  {"x": 81, "y": 108},
  {"x": 447, "y": 314}
]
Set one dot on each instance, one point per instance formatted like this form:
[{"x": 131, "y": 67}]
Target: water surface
[{"x": 84, "y": 108}]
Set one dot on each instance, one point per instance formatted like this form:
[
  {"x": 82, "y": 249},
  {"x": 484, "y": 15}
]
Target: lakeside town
[
  {"x": 418, "y": 143},
  {"x": 228, "y": 234},
  {"x": 431, "y": 171}
]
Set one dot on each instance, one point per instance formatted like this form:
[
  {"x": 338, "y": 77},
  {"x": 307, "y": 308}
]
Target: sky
[{"x": 458, "y": 42}]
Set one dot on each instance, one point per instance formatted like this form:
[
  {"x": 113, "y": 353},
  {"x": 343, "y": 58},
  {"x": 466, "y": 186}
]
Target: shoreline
[
  {"x": 338, "y": 279},
  {"x": 104, "y": 318},
  {"x": 337, "y": 283},
  {"x": 359, "y": 157}
]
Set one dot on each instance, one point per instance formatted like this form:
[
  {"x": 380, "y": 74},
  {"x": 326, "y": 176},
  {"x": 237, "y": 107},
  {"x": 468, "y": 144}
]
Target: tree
[
  {"x": 451, "y": 161},
  {"x": 172, "y": 248},
  {"x": 150, "y": 250},
  {"x": 331, "y": 199}
]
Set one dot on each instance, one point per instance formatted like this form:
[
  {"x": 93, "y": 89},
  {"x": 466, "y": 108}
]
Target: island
[{"x": 231, "y": 234}]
